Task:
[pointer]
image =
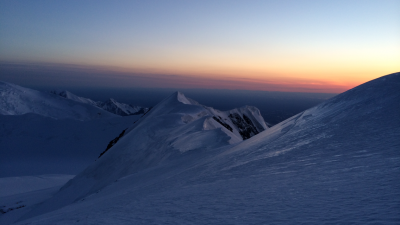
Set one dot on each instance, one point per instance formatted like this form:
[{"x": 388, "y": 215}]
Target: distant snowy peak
[
  {"x": 17, "y": 100},
  {"x": 110, "y": 105}
]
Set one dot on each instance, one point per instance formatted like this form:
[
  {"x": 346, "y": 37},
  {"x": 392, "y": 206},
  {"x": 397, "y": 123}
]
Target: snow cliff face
[
  {"x": 110, "y": 105},
  {"x": 16, "y": 100},
  {"x": 335, "y": 163}
]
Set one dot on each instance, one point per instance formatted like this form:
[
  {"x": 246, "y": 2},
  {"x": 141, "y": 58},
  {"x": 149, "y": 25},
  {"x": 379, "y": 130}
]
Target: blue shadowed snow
[{"x": 336, "y": 163}]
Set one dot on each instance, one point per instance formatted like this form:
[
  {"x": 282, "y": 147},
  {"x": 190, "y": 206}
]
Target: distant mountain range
[
  {"x": 17, "y": 100},
  {"x": 110, "y": 105}
]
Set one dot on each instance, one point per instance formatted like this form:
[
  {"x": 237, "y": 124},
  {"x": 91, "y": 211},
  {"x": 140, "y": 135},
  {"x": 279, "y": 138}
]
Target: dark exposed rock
[
  {"x": 245, "y": 125},
  {"x": 222, "y": 123},
  {"x": 113, "y": 142}
]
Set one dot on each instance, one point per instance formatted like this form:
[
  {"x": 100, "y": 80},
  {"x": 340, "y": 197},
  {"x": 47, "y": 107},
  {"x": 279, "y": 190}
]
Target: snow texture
[{"x": 336, "y": 163}]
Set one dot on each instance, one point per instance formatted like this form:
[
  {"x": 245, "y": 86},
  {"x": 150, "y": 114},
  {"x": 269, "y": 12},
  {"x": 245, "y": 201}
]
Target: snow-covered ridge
[
  {"x": 239, "y": 124},
  {"x": 173, "y": 127},
  {"x": 17, "y": 100},
  {"x": 110, "y": 105},
  {"x": 69, "y": 95},
  {"x": 336, "y": 163}
]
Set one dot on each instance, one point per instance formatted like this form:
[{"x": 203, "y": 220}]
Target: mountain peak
[{"x": 182, "y": 98}]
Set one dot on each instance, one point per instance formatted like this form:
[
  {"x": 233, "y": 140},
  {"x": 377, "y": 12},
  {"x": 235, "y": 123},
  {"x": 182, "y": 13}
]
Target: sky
[{"x": 285, "y": 45}]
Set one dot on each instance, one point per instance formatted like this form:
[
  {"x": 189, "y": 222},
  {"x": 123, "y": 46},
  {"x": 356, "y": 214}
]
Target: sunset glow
[{"x": 306, "y": 46}]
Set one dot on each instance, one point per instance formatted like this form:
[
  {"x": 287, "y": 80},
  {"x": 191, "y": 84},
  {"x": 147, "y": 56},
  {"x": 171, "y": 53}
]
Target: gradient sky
[{"x": 281, "y": 45}]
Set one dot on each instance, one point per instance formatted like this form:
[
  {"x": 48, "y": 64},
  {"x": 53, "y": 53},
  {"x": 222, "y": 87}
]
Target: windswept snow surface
[
  {"x": 336, "y": 163},
  {"x": 110, "y": 105},
  {"x": 17, "y": 100}
]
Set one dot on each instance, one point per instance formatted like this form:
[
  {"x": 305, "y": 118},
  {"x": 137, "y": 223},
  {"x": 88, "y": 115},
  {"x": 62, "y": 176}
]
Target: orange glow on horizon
[
  {"x": 285, "y": 78},
  {"x": 286, "y": 81}
]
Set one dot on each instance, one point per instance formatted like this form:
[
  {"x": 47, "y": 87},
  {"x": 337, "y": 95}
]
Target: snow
[
  {"x": 32, "y": 144},
  {"x": 71, "y": 96},
  {"x": 17, "y": 100},
  {"x": 110, "y": 105},
  {"x": 44, "y": 133},
  {"x": 174, "y": 126},
  {"x": 336, "y": 163},
  {"x": 19, "y": 194},
  {"x": 121, "y": 109},
  {"x": 17, "y": 185}
]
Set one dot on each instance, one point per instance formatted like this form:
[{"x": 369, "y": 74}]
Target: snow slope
[
  {"x": 17, "y": 185},
  {"x": 174, "y": 126},
  {"x": 32, "y": 144},
  {"x": 17, "y": 100},
  {"x": 336, "y": 163},
  {"x": 19, "y": 194},
  {"x": 110, "y": 105}
]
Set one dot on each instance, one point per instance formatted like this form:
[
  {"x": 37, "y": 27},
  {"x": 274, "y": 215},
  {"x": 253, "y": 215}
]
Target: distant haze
[
  {"x": 288, "y": 45},
  {"x": 75, "y": 76}
]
